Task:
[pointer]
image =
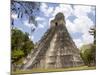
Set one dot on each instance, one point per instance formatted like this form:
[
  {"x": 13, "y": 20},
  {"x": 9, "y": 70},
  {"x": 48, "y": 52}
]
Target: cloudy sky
[{"x": 79, "y": 19}]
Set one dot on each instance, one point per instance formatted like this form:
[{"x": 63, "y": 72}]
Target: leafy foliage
[
  {"x": 17, "y": 54},
  {"x": 87, "y": 54},
  {"x": 92, "y": 31},
  {"x": 25, "y": 9},
  {"x": 21, "y": 45}
]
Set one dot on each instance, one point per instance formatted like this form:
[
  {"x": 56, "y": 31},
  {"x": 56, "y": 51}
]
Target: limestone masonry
[{"x": 56, "y": 49}]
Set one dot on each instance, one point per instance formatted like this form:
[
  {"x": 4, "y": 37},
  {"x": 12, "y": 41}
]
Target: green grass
[{"x": 53, "y": 70}]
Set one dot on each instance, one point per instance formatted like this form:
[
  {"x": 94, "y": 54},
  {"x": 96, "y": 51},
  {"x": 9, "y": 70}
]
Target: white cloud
[
  {"x": 81, "y": 24},
  {"x": 87, "y": 38},
  {"x": 93, "y": 10},
  {"x": 43, "y": 6},
  {"x": 41, "y": 26},
  {"x": 14, "y": 16},
  {"x": 46, "y": 10},
  {"x": 50, "y": 20},
  {"x": 65, "y": 9},
  {"x": 49, "y": 11},
  {"x": 40, "y": 19},
  {"x": 28, "y": 24},
  {"x": 31, "y": 37},
  {"x": 78, "y": 42},
  {"x": 70, "y": 26},
  {"x": 80, "y": 10}
]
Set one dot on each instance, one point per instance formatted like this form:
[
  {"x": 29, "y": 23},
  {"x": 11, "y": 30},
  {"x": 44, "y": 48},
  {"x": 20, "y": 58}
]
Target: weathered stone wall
[{"x": 56, "y": 49}]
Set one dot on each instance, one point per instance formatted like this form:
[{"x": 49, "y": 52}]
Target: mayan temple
[{"x": 56, "y": 49}]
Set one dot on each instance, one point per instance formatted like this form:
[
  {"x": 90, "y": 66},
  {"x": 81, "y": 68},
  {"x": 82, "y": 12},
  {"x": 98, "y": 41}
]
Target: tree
[
  {"x": 16, "y": 55},
  {"x": 16, "y": 39},
  {"x": 21, "y": 45},
  {"x": 92, "y": 32},
  {"x": 24, "y": 9},
  {"x": 87, "y": 54},
  {"x": 93, "y": 51}
]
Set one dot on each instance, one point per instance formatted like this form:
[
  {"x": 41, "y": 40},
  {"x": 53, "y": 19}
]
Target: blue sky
[{"x": 79, "y": 18}]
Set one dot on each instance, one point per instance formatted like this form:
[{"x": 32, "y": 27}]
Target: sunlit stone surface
[{"x": 56, "y": 49}]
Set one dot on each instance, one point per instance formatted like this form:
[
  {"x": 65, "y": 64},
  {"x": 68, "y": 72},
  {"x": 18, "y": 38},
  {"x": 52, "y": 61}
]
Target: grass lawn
[{"x": 52, "y": 70}]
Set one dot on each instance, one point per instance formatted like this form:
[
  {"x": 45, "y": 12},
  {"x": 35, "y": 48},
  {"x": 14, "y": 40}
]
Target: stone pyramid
[{"x": 56, "y": 49}]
